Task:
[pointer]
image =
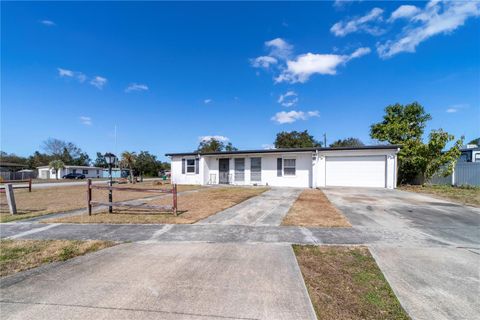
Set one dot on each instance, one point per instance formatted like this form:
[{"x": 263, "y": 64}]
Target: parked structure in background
[
  {"x": 15, "y": 171},
  {"x": 470, "y": 153},
  {"x": 365, "y": 166},
  {"x": 45, "y": 172},
  {"x": 466, "y": 171}
]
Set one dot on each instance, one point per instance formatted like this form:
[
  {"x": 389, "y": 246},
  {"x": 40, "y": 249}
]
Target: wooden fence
[
  {"x": 110, "y": 204},
  {"x": 17, "y": 184}
]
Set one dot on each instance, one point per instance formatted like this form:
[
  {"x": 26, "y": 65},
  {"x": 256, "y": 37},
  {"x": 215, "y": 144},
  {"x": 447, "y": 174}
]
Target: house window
[
  {"x": 98, "y": 171},
  {"x": 289, "y": 167},
  {"x": 239, "y": 169},
  {"x": 85, "y": 171},
  {"x": 477, "y": 157},
  {"x": 256, "y": 169},
  {"x": 190, "y": 165}
]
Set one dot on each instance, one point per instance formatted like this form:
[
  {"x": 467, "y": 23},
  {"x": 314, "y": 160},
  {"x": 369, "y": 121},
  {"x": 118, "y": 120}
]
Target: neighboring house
[
  {"x": 45, "y": 172},
  {"x": 366, "y": 166},
  {"x": 471, "y": 153},
  {"x": 11, "y": 167},
  {"x": 116, "y": 173}
]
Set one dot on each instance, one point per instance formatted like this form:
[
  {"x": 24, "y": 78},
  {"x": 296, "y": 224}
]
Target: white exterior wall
[
  {"x": 390, "y": 163},
  {"x": 47, "y": 173},
  {"x": 187, "y": 178}
]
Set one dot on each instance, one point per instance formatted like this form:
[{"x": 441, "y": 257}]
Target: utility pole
[{"x": 324, "y": 140}]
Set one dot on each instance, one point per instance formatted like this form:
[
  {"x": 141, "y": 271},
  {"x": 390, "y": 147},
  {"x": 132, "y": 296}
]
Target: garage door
[{"x": 366, "y": 171}]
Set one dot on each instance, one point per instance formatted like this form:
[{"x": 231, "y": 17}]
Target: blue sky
[{"x": 167, "y": 74}]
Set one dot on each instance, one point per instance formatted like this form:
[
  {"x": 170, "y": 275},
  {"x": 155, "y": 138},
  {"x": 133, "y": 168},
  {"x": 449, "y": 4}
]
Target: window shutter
[
  {"x": 279, "y": 167},
  {"x": 183, "y": 166},
  {"x": 197, "y": 165}
]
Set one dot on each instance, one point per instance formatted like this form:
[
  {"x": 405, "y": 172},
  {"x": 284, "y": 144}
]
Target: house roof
[
  {"x": 72, "y": 167},
  {"x": 384, "y": 147}
]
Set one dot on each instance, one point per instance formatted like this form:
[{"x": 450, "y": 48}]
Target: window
[
  {"x": 256, "y": 169},
  {"x": 239, "y": 169},
  {"x": 190, "y": 165},
  {"x": 85, "y": 171},
  {"x": 98, "y": 171},
  {"x": 477, "y": 157},
  {"x": 289, "y": 167}
]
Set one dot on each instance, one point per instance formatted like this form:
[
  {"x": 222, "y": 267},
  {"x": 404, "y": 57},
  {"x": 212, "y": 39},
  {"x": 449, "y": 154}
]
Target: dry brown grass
[
  {"x": 20, "y": 255},
  {"x": 313, "y": 209},
  {"x": 192, "y": 207},
  {"x": 59, "y": 199},
  {"x": 346, "y": 283},
  {"x": 463, "y": 195}
]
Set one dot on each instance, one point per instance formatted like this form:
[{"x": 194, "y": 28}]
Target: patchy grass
[
  {"x": 464, "y": 195},
  {"x": 192, "y": 207},
  {"x": 312, "y": 208},
  {"x": 61, "y": 198},
  {"x": 346, "y": 283},
  {"x": 20, "y": 255}
]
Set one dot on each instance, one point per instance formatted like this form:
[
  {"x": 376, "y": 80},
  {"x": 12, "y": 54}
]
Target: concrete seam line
[
  {"x": 158, "y": 233},
  {"x": 304, "y": 285},
  {"x": 371, "y": 248},
  {"x": 32, "y": 231}
]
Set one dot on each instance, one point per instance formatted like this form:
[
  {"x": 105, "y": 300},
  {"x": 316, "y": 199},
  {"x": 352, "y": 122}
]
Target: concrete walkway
[
  {"x": 164, "y": 281},
  {"x": 267, "y": 209}
]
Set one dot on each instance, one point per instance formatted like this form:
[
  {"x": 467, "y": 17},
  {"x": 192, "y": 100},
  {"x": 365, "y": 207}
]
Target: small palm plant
[
  {"x": 128, "y": 160},
  {"x": 57, "y": 165}
]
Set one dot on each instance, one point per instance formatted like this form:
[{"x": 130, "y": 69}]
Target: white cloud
[
  {"x": 305, "y": 65},
  {"x": 364, "y": 24},
  {"x": 207, "y": 101},
  {"x": 48, "y": 23},
  {"x": 436, "y": 18},
  {"x": 98, "y": 82},
  {"x": 136, "y": 87},
  {"x": 342, "y": 3},
  {"x": 268, "y": 146},
  {"x": 292, "y": 116},
  {"x": 289, "y": 99},
  {"x": 279, "y": 48},
  {"x": 404, "y": 11},
  {"x": 263, "y": 62},
  {"x": 457, "y": 107},
  {"x": 218, "y": 138},
  {"x": 86, "y": 120},
  {"x": 452, "y": 110},
  {"x": 65, "y": 72}
]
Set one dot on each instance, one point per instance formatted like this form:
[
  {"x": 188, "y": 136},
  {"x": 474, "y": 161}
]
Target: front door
[{"x": 223, "y": 169}]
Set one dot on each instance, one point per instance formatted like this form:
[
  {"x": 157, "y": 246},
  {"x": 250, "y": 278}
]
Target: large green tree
[
  {"x": 128, "y": 160},
  {"x": 56, "y": 165},
  {"x": 214, "y": 145},
  {"x": 295, "y": 139},
  {"x": 147, "y": 164},
  {"x": 348, "y": 142},
  {"x": 418, "y": 161}
]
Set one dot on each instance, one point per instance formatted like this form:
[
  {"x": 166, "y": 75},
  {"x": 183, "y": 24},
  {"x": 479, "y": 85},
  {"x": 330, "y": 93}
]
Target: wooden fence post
[
  {"x": 89, "y": 196},
  {"x": 10, "y": 198},
  {"x": 30, "y": 185},
  {"x": 174, "y": 199}
]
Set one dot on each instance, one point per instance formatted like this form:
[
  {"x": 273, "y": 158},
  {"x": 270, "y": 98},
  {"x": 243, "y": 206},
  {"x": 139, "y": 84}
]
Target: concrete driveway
[
  {"x": 164, "y": 281},
  {"x": 437, "y": 279},
  {"x": 267, "y": 209}
]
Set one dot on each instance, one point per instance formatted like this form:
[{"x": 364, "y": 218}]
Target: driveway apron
[{"x": 164, "y": 281}]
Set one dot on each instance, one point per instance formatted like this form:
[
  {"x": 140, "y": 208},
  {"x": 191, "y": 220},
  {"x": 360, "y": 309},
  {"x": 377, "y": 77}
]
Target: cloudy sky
[{"x": 168, "y": 75}]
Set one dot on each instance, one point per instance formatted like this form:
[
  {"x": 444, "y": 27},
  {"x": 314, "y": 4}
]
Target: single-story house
[
  {"x": 470, "y": 153},
  {"x": 45, "y": 172},
  {"x": 116, "y": 173},
  {"x": 366, "y": 166}
]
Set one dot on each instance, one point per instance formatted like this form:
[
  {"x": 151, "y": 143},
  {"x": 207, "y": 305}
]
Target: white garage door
[{"x": 366, "y": 171}]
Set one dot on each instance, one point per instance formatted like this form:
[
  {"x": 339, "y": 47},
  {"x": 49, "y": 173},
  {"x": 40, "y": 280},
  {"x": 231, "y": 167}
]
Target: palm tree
[
  {"x": 57, "y": 165},
  {"x": 128, "y": 160}
]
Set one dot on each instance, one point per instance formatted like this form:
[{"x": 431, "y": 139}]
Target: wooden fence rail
[
  {"x": 91, "y": 203},
  {"x": 5, "y": 182}
]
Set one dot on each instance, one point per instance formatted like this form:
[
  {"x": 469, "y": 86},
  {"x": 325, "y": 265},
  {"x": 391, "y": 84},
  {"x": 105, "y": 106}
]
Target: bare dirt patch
[
  {"x": 20, "y": 255},
  {"x": 312, "y": 208},
  {"x": 192, "y": 207},
  {"x": 59, "y": 199},
  {"x": 346, "y": 283}
]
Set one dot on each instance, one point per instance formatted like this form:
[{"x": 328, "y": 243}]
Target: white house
[
  {"x": 367, "y": 166},
  {"x": 45, "y": 172}
]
